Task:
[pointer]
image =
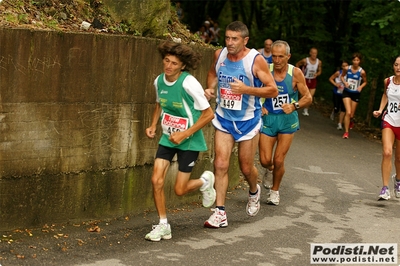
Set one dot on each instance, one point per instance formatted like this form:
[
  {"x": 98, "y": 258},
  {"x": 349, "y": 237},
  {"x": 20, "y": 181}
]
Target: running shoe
[
  {"x": 208, "y": 191},
  {"x": 346, "y": 135},
  {"x": 396, "y": 186},
  {"x": 339, "y": 126},
  {"x": 253, "y": 205},
  {"x": 160, "y": 231},
  {"x": 305, "y": 112},
  {"x": 332, "y": 116},
  {"x": 268, "y": 179},
  {"x": 385, "y": 194},
  {"x": 351, "y": 124},
  {"x": 273, "y": 198},
  {"x": 217, "y": 219}
]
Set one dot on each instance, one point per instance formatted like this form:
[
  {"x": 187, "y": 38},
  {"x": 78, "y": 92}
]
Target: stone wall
[{"x": 73, "y": 112}]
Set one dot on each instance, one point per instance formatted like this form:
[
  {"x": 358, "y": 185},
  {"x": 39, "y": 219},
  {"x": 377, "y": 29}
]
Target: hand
[
  {"x": 209, "y": 93},
  {"x": 264, "y": 111},
  {"x": 177, "y": 137},
  {"x": 236, "y": 86},
  {"x": 287, "y": 108},
  {"x": 150, "y": 132},
  {"x": 376, "y": 114}
]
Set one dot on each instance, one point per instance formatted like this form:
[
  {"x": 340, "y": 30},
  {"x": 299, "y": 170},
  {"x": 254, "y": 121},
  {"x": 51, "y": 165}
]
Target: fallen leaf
[{"x": 94, "y": 229}]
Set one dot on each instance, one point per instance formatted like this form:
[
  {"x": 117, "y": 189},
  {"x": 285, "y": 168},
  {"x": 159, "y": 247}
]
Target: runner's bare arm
[
  {"x": 206, "y": 116},
  {"x": 299, "y": 82},
  {"x": 261, "y": 71},
  {"x": 319, "y": 70},
  {"x": 212, "y": 80},
  {"x": 364, "y": 80},
  {"x": 151, "y": 130}
]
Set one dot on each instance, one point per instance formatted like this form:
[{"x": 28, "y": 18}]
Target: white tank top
[
  {"x": 311, "y": 69},
  {"x": 393, "y": 108}
]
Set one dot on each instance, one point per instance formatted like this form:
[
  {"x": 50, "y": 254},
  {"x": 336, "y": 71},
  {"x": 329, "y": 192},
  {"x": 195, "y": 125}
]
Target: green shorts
[{"x": 274, "y": 124}]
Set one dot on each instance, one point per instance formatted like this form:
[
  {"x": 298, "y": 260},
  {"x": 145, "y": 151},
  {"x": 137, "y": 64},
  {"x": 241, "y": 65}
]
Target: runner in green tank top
[{"x": 183, "y": 110}]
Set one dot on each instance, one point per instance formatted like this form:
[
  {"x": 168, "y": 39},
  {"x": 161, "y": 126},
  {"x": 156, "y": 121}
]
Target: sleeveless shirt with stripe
[
  {"x": 354, "y": 80},
  {"x": 286, "y": 92},
  {"x": 237, "y": 107}
]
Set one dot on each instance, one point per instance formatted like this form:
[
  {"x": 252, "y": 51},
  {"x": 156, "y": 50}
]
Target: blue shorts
[
  {"x": 240, "y": 130},
  {"x": 274, "y": 124}
]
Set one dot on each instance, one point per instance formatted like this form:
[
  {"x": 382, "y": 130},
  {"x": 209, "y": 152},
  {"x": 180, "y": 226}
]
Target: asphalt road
[{"x": 328, "y": 195}]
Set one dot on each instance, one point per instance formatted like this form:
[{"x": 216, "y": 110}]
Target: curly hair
[{"x": 184, "y": 53}]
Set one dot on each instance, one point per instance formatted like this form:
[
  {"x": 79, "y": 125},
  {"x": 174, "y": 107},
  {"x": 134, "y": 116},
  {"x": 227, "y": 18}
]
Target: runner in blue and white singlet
[
  {"x": 237, "y": 107},
  {"x": 354, "y": 82},
  {"x": 241, "y": 77},
  {"x": 353, "y": 79},
  {"x": 337, "y": 92},
  {"x": 266, "y": 51},
  {"x": 267, "y": 58}
]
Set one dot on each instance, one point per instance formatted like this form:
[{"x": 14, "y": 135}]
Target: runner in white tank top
[
  {"x": 390, "y": 131},
  {"x": 312, "y": 68}
]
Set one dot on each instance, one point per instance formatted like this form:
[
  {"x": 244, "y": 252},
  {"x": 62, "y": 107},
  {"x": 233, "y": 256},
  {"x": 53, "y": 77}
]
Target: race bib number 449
[
  {"x": 229, "y": 100},
  {"x": 171, "y": 124}
]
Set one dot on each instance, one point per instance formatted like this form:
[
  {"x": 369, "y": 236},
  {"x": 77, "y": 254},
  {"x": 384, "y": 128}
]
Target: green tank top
[{"x": 178, "y": 114}]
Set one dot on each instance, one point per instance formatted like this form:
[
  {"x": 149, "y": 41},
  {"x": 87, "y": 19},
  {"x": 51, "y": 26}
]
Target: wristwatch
[{"x": 296, "y": 105}]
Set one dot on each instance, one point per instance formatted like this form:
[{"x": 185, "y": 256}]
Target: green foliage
[{"x": 337, "y": 28}]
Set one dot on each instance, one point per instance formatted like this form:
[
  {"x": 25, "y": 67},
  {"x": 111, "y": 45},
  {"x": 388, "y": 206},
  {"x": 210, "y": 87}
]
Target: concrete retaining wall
[{"x": 73, "y": 112}]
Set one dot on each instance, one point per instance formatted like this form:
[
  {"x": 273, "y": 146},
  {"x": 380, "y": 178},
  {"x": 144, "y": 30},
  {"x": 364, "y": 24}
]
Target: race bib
[
  {"x": 229, "y": 100},
  {"x": 352, "y": 84},
  {"x": 279, "y": 100},
  {"x": 310, "y": 74},
  {"x": 171, "y": 124},
  {"x": 393, "y": 107}
]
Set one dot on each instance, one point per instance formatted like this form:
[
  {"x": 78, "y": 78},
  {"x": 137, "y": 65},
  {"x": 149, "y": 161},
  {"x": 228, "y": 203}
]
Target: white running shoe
[
  {"x": 339, "y": 126},
  {"x": 305, "y": 112},
  {"x": 253, "y": 205},
  {"x": 268, "y": 179},
  {"x": 160, "y": 231},
  {"x": 208, "y": 191},
  {"x": 385, "y": 194},
  {"x": 273, "y": 198},
  {"x": 217, "y": 219},
  {"x": 396, "y": 186}
]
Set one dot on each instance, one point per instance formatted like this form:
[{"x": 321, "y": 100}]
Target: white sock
[
  {"x": 164, "y": 221},
  {"x": 205, "y": 183}
]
